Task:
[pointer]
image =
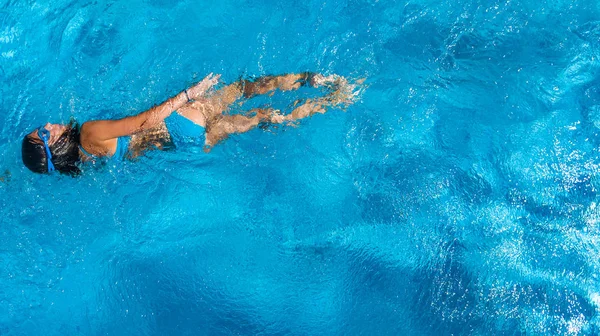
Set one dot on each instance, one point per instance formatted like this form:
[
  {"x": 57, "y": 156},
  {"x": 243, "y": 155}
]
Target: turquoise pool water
[{"x": 457, "y": 196}]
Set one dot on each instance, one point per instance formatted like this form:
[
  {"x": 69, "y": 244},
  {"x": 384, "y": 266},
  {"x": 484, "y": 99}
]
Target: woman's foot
[
  {"x": 332, "y": 81},
  {"x": 342, "y": 91},
  {"x": 345, "y": 94},
  {"x": 268, "y": 115}
]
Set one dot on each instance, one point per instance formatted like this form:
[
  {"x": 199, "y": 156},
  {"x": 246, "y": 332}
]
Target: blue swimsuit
[
  {"x": 120, "y": 152},
  {"x": 181, "y": 129}
]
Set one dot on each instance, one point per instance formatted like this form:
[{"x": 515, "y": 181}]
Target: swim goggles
[{"x": 44, "y": 134}]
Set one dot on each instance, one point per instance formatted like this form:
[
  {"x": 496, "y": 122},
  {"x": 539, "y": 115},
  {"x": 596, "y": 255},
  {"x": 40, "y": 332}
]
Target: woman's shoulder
[
  {"x": 92, "y": 138},
  {"x": 86, "y": 126},
  {"x": 88, "y": 123},
  {"x": 91, "y": 128},
  {"x": 94, "y": 131},
  {"x": 86, "y": 131}
]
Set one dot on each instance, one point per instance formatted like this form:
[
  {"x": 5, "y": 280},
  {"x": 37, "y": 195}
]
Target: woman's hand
[{"x": 199, "y": 89}]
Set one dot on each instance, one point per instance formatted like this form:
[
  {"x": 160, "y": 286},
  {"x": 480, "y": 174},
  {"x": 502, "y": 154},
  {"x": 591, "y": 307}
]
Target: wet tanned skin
[{"x": 209, "y": 110}]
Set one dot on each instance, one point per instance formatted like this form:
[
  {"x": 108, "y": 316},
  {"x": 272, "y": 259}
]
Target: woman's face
[{"x": 56, "y": 130}]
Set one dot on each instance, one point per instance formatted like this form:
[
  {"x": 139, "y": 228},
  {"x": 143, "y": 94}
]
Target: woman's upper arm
[
  {"x": 102, "y": 130},
  {"x": 110, "y": 129}
]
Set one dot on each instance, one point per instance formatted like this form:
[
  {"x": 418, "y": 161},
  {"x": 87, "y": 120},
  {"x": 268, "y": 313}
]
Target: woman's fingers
[
  {"x": 204, "y": 85},
  {"x": 212, "y": 80}
]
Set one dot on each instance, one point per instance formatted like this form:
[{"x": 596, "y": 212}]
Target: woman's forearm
[
  {"x": 102, "y": 130},
  {"x": 156, "y": 115}
]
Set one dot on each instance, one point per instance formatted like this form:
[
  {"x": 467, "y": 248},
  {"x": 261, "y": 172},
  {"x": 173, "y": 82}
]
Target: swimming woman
[{"x": 195, "y": 114}]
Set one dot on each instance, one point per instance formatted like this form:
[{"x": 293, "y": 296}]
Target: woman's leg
[
  {"x": 267, "y": 84},
  {"x": 214, "y": 106},
  {"x": 219, "y": 102},
  {"x": 199, "y": 111},
  {"x": 221, "y": 127},
  {"x": 343, "y": 95},
  {"x": 243, "y": 88},
  {"x": 209, "y": 112}
]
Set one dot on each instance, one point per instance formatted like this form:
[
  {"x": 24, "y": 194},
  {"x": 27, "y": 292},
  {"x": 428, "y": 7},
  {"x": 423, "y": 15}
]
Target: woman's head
[{"x": 63, "y": 143}]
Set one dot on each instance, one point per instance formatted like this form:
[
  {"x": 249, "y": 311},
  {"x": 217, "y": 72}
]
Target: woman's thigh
[
  {"x": 204, "y": 110},
  {"x": 223, "y": 98}
]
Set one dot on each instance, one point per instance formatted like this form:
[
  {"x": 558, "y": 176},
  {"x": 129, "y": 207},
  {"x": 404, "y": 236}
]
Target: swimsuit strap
[
  {"x": 122, "y": 148},
  {"x": 120, "y": 151},
  {"x": 86, "y": 152}
]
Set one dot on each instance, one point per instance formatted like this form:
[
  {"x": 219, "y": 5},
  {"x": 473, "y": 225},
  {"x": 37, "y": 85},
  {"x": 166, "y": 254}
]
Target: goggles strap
[{"x": 44, "y": 134}]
